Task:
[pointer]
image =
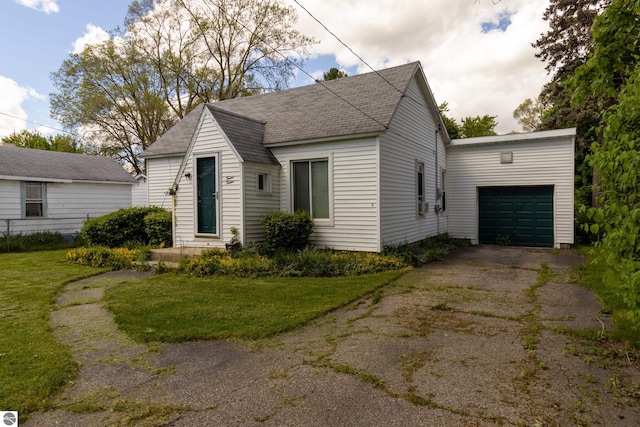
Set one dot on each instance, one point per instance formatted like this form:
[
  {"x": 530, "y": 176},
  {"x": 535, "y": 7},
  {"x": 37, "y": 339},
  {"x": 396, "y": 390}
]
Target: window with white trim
[
  {"x": 311, "y": 187},
  {"x": 420, "y": 181},
  {"x": 33, "y": 199}
]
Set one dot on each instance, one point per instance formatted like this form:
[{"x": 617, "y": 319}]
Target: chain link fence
[{"x": 27, "y": 234}]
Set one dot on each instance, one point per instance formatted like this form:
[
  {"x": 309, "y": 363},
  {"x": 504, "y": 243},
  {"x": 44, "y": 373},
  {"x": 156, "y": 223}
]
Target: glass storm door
[{"x": 207, "y": 195}]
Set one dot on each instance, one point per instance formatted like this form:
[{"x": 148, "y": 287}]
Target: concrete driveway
[{"x": 489, "y": 336}]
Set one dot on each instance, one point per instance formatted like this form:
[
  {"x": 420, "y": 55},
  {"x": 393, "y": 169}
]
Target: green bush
[
  {"x": 122, "y": 227},
  {"x": 289, "y": 231},
  {"x": 38, "y": 240},
  {"x": 427, "y": 250},
  {"x": 101, "y": 257},
  {"x": 309, "y": 262},
  {"x": 158, "y": 226}
]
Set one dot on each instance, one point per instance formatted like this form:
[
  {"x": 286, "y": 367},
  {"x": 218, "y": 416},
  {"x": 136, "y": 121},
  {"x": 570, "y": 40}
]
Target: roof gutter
[{"x": 324, "y": 139}]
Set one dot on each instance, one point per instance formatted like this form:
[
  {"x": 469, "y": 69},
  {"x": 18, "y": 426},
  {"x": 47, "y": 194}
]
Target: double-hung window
[
  {"x": 311, "y": 187},
  {"x": 33, "y": 199}
]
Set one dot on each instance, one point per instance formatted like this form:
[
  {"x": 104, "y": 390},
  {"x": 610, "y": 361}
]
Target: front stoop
[{"x": 171, "y": 257}]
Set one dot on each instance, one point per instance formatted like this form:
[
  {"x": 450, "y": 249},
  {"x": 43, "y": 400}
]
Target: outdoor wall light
[{"x": 187, "y": 175}]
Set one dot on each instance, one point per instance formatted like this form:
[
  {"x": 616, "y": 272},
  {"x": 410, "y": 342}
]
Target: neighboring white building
[
  {"x": 139, "y": 191},
  {"x": 515, "y": 189},
  {"x": 365, "y": 169},
  {"x": 366, "y": 155},
  {"x": 51, "y": 191}
]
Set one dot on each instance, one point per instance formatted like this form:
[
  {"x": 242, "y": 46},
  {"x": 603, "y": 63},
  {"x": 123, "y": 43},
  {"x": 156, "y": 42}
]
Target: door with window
[{"x": 207, "y": 195}]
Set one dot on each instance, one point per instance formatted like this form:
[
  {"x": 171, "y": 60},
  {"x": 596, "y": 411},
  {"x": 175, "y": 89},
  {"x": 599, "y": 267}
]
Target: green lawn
[
  {"x": 611, "y": 291},
  {"x": 177, "y": 307},
  {"x": 32, "y": 363}
]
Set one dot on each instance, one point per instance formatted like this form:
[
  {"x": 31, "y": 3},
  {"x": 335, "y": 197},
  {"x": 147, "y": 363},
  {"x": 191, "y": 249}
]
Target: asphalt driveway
[{"x": 489, "y": 336}]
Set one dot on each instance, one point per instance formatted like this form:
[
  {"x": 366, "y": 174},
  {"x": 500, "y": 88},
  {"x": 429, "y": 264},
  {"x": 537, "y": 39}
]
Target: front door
[{"x": 207, "y": 195}]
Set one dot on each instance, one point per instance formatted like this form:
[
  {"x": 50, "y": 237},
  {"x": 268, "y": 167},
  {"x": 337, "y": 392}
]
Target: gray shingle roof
[
  {"x": 245, "y": 134},
  {"x": 303, "y": 113},
  {"x": 41, "y": 164},
  {"x": 176, "y": 140}
]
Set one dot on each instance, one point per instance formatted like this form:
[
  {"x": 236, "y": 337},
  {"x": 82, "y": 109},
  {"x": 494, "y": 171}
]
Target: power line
[
  {"x": 221, "y": 9},
  {"x": 36, "y": 123},
  {"x": 358, "y": 56}
]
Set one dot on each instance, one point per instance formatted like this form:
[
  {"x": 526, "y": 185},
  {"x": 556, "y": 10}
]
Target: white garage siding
[
  {"x": 539, "y": 158},
  {"x": 411, "y": 139},
  {"x": 161, "y": 174},
  {"x": 209, "y": 142},
  {"x": 257, "y": 202},
  {"x": 353, "y": 191}
]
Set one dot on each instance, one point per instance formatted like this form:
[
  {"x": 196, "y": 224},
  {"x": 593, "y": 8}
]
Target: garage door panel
[{"x": 519, "y": 215}]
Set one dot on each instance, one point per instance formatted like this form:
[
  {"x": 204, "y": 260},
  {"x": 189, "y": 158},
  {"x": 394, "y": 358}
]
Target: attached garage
[{"x": 512, "y": 189}]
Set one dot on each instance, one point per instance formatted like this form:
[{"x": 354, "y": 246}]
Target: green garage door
[{"x": 520, "y": 216}]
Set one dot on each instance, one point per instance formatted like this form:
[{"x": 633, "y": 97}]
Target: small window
[
  {"x": 420, "y": 181},
  {"x": 33, "y": 199},
  {"x": 263, "y": 183},
  {"x": 311, "y": 187},
  {"x": 444, "y": 190}
]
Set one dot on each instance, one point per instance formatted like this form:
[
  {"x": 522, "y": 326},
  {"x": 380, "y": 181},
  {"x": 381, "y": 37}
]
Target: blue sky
[{"x": 477, "y": 56}]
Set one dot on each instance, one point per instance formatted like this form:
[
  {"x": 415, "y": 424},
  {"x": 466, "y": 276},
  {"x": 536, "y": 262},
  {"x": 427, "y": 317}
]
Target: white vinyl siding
[
  {"x": 139, "y": 192},
  {"x": 67, "y": 205},
  {"x": 410, "y": 141},
  {"x": 535, "y": 162},
  {"x": 353, "y": 192},
  {"x": 257, "y": 202},
  {"x": 210, "y": 141},
  {"x": 161, "y": 174}
]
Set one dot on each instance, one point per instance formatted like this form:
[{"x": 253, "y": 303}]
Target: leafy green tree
[
  {"x": 530, "y": 114},
  {"x": 453, "y": 128},
  {"x": 174, "y": 55},
  {"x": 478, "y": 126},
  {"x": 34, "y": 140},
  {"x": 612, "y": 72},
  {"x": 565, "y": 47},
  {"x": 333, "y": 74}
]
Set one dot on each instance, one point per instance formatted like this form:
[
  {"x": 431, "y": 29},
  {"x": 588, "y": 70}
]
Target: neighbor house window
[
  {"x": 263, "y": 183},
  {"x": 311, "y": 187},
  {"x": 34, "y": 199},
  {"x": 444, "y": 189}
]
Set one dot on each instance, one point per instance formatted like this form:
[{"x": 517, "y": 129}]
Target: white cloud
[
  {"x": 13, "y": 95},
  {"x": 476, "y": 73},
  {"x": 92, "y": 35},
  {"x": 46, "y": 6}
]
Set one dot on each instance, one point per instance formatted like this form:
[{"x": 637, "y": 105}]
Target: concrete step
[{"x": 173, "y": 255}]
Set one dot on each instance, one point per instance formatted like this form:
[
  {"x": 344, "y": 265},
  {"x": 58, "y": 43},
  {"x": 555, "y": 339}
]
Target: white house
[
  {"x": 51, "y": 191},
  {"x": 515, "y": 189},
  {"x": 365, "y": 155}
]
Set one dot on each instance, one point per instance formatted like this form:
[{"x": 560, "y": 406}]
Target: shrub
[
  {"x": 289, "y": 231},
  {"x": 122, "y": 227},
  {"x": 427, "y": 250},
  {"x": 38, "y": 240},
  {"x": 309, "y": 262},
  {"x": 158, "y": 226},
  {"x": 102, "y": 257}
]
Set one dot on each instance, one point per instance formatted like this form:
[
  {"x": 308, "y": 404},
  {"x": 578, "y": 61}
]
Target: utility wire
[
  {"x": 299, "y": 67},
  {"x": 358, "y": 56},
  {"x": 39, "y": 124}
]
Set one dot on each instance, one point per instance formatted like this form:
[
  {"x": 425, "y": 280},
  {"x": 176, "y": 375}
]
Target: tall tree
[
  {"x": 530, "y": 114},
  {"x": 333, "y": 74},
  {"x": 612, "y": 72},
  {"x": 174, "y": 55},
  {"x": 36, "y": 141},
  {"x": 478, "y": 126},
  {"x": 453, "y": 128},
  {"x": 564, "y": 48}
]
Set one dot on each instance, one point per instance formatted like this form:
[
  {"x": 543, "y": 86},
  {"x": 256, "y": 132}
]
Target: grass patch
[
  {"x": 611, "y": 292},
  {"x": 176, "y": 307},
  {"x": 33, "y": 365}
]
